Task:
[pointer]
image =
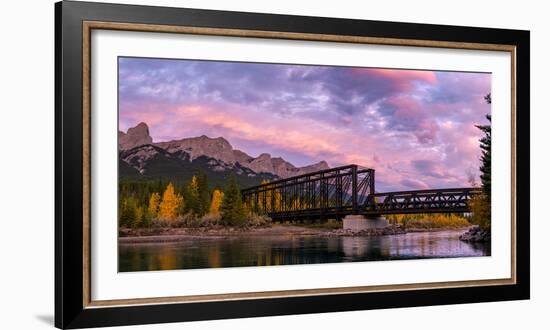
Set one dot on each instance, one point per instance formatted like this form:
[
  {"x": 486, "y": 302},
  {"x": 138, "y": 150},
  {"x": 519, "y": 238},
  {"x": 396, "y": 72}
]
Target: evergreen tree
[
  {"x": 197, "y": 195},
  {"x": 203, "y": 194},
  {"x": 485, "y": 144},
  {"x": 192, "y": 196},
  {"x": 481, "y": 205},
  {"x": 231, "y": 209},
  {"x": 127, "y": 212},
  {"x": 139, "y": 217}
]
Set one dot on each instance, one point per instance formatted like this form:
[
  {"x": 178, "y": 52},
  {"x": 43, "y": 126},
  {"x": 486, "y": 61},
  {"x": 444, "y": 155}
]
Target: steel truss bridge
[{"x": 347, "y": 190}]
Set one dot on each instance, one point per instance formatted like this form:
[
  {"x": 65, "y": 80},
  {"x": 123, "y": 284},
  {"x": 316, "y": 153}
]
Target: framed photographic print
[{"x": 214, "y": 164}]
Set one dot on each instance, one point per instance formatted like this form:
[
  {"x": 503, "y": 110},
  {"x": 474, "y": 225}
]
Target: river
[{"x": 243, "y": 251}]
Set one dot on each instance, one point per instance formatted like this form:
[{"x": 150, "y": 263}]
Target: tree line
[{"x": 144, "y": 204}]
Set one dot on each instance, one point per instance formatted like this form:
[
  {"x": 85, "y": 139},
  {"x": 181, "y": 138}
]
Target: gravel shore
[{"x": 161, "y": 235}]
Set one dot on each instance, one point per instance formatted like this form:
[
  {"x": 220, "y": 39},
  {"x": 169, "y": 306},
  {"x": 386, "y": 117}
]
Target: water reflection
[{"x": 275, "y": 250}]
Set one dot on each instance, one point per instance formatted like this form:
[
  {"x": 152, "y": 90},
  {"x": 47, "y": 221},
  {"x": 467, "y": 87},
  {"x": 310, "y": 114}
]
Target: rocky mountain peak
[
  {"x": 140, "y": 129},
  {"x": 242, "y": 157},
  {"x": 218, "y": 149},
  {"x": 320, "y": 166},
  {"x": 264, "y": 156},
  {"x": 134, "y": 137},
  {"x": 261, "y": 164}
]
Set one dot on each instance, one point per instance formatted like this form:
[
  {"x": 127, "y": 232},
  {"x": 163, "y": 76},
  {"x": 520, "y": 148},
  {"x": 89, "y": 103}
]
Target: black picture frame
[{"x": 70, "y": 310}]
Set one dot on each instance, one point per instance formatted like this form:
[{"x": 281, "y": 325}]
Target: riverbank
[
  {"x": 476, "y": 235},
  {"x": 160, "y": 235}
]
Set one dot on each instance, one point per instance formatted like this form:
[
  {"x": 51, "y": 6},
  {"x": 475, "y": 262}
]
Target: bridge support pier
[{"x": 361, "y": 222}]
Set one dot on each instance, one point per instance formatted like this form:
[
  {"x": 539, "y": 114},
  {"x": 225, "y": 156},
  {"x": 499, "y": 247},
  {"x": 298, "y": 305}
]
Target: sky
[{"x": 415, "y": 128}]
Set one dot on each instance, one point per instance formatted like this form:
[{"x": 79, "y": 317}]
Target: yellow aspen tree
[
  {"x": 277, "y": 200},
  {"x": 171, "y": 202},
  {"x": 265, "y": 202},
  {"x": 139, "y": 217},
  {"x": 296, "y": 204},
  {"x": 194, "y": 185},
  {"x": 217, "y": 197},
  {"x": 154, "y": 203}
]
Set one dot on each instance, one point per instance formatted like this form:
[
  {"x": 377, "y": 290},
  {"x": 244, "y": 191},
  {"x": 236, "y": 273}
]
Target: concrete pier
[{"x": 360, "y": 222}]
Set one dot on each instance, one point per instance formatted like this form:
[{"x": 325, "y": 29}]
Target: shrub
[
  {"x": 257, "y": 220},
  {"x": 189, "y": 219},
  {"x": 329, "y": 224},
  {"x": 210, "y": 220},
  {"x": 159, "y": 223},
  {"x": 333, "y": 224}
]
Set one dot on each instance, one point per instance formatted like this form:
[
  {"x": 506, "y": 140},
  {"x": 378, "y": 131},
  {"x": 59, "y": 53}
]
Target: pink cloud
[
  {"x": 414, "y": 183},
  {"x": 404, "y": 75},
  {"x": 146, "y": 112},
  {"x": 407, "y": 107},
  {"x": 403, "y": 79},
  {"x": 251, "y": 126}
]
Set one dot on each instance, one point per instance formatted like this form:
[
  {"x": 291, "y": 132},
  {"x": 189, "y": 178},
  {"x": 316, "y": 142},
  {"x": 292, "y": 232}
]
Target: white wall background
[{"x": 27, "y": 163}]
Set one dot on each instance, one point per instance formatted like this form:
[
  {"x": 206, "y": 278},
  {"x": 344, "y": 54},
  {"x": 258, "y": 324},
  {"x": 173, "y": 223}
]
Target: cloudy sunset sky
[{"x": 415, "y": 128}]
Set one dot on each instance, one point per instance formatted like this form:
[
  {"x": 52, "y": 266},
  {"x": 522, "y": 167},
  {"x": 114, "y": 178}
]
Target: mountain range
[{"x": 141, "y": 158}]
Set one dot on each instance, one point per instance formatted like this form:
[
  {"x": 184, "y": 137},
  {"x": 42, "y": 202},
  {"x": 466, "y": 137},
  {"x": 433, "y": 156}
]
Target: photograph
[{"x": 247, "y": 164}]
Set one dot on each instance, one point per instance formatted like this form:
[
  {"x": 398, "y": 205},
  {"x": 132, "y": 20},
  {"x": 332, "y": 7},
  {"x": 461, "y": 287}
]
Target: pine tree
[
  {"x": 171, "y": 203},
  {"x": 485, "y": 144},
  {"x": 192, "y": 196},
  {"x": 197, "y": 195},
  {"x": 231, "y": 209},
  {"x": 139, "y": 219},
  {"x": 127, "y": 212},
  {"x": 217, "y": 197},
  {"x": 203, "y": 194},
  {"x": 481, "y": 205}
]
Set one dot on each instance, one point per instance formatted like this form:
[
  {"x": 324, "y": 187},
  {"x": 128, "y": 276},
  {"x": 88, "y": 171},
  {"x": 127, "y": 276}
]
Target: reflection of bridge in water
[{"x": 347, "y": 190}]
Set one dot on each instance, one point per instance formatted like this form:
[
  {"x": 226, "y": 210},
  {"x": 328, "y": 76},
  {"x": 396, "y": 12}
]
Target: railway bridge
[{"x": 348, "y": 192}]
